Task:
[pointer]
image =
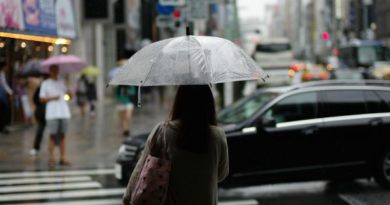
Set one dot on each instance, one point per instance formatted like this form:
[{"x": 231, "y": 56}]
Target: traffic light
[
  {"x": 325, "y": 35},
  {"x": 177, "y": 17}
]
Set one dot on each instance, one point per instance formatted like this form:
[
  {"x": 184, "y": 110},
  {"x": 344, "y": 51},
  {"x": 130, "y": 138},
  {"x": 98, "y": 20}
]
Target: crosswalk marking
[
  {"x": 242, "y": 202},
  {"x": 82, "y": 202},
  {"x": 8, "y": 182},
  {"x": 66, "y": 188},
  {"x": 119, "y": 201},
  {"x": 63, "y": 195},
  {"x": 57, "y": 173},
  {"x": 49, "y": 187}
]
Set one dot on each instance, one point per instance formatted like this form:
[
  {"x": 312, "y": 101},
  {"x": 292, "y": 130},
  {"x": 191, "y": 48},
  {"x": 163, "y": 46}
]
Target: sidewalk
[{"x": 92, "y": 142}]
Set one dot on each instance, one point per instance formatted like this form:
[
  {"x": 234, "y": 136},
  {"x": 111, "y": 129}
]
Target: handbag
[{"x": 152, "y": 184}]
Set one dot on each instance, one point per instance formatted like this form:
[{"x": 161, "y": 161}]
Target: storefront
[{"x": 31, "y": 29}]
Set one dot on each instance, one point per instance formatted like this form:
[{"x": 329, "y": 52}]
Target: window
[
  {"x": 344, "y": 102},
  {"x": 367, "y": 55},
  {"x": 245, "y": 108},
  {"x": 385, "y": 95},
  {"x": 273, "y": 48},
  {"x": 293, "y": 108},
  {"x": 374, "y": 103}
]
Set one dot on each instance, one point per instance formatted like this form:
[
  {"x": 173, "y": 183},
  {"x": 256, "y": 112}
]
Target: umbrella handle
[{"x": 139, "y": 97}]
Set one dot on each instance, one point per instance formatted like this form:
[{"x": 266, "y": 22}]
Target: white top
[
  {"x": 4, "y": 83},
  {"x": 55, "y": 109}
]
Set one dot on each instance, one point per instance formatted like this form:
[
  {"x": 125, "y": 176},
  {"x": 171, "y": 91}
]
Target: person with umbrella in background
[
  {"x": 57, "y": 113},
  {"x": 86, "y": 86},
  {"x": 54, "y": 93},
  {"x": 81, "y": 93},
  {"x": 39, "y": 114}
]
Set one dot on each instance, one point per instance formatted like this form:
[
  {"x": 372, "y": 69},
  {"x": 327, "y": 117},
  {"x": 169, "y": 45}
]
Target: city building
[{"x": 382, "y": 12}]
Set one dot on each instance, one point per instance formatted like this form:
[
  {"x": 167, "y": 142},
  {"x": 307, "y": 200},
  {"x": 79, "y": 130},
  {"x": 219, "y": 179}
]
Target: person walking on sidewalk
[
  {"x": 57, "y": 113},
  {"x": 40, "y": 110},
  {"x": 196, "y": 147},
  {"x": 5, "y": 92},
  {"x": 125, "y": 97},
  {"x": 81, "y": 93}
]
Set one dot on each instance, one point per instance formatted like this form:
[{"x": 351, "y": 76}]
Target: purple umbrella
[
  {"x": 66, "y": 63},
  {"x": 32, "y": 69}
]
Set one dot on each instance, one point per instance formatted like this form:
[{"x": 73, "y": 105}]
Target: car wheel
[{"x": 382, "y": 170}]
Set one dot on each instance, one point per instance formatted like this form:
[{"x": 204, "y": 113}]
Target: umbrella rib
[
  {"x": 205, "y": 59},
  {"x": 150, "y": 70}
]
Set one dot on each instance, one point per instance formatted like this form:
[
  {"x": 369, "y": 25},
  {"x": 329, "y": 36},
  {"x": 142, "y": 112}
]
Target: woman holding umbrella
[{"x": 190, "y": 146}]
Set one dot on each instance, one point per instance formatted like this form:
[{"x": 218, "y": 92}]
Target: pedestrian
[
  {"x": 125, "y": 97},
  {"x": 86, "y": 94},
  {"x": 5, "y": 93},
  {"x": 40, "y": 110},
  {"x": 197, "y": 149},
  {"x": 57, "y": 113},
  {"x": 91, "y": 94},
  {"x": 81, "y": 93}
]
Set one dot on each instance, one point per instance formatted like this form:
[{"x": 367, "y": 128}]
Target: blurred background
[{"x": 294, "y": 41}]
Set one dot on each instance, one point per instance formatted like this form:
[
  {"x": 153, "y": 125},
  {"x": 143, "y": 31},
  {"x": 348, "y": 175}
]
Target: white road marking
[
  {"x": 243, "y": 202},
  {"x": 8, "y": 182},
  {"x": 81, "y": 202},
  {"x": 62, "y": 195},
  {"x": 49, "y": 187},
  {"x": 57, "y": 173}
]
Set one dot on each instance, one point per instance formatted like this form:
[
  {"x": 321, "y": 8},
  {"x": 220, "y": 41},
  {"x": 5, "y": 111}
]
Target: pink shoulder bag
[{"x": 152, "y": 184}]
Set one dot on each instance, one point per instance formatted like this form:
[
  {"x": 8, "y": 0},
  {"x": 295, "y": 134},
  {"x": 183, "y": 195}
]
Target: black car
[{"x": 328, "y": 130}]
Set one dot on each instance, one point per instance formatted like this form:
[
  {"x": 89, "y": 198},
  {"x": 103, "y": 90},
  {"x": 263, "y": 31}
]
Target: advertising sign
[
  {"x": 39, "y": 16},
  {"x": 65, "y": 20},
  {"x": 172, "y": 2},
  {"x": 11, "y": 14},
  {"x": 164, "y": 10}
]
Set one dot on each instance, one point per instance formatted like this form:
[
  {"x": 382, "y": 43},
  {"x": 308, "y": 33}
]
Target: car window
[
  {"x": 301, "y": 106},
  {"x": 374, "y": 103},
  {"x": 245, "y": 108},
  {"x": 344, "y": 102},
  {"x": 385, "y": 95}
]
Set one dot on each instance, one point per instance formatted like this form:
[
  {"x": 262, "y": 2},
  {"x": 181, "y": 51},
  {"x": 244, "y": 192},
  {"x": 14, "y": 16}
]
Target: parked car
[{"x": 322, "y": 130}]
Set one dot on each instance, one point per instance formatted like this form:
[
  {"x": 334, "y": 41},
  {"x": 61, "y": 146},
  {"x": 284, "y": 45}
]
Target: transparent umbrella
[{"x": 188, "y": 60}]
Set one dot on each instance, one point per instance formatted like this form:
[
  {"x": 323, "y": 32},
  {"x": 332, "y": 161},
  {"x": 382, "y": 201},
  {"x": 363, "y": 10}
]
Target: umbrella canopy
[
  {"x": 66, "y": 63},
  {"x": 90, "y": 71},
  {"x": 32, "y": 69},
  {"x": 113, "y": 72},
  {"x": 188, "y": 60}
]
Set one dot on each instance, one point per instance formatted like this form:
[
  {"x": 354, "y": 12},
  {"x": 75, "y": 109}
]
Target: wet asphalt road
[{"x": 92, "y": 145}]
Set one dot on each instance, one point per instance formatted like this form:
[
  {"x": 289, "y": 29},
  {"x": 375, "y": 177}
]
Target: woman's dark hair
[{"x": 194, "y": 108}]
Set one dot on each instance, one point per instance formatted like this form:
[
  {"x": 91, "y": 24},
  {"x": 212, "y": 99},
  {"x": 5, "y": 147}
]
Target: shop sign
[
  {"x": 39, "y": 16},
  {"x": 163, "y": 21},
  {"x": 11, "y": 15},
  {"x": 65, "y": 19},
  {"x": 172, "y": 2}
]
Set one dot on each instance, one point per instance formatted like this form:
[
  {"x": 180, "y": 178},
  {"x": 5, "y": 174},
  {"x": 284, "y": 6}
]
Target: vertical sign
[
  {"x": 199, "y": 9},
  {"x": 339, "y": 9},
  {"x": 65, "y": 19}
]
